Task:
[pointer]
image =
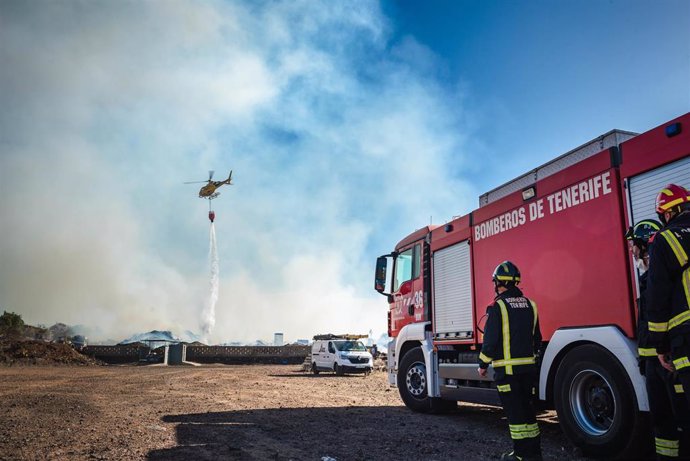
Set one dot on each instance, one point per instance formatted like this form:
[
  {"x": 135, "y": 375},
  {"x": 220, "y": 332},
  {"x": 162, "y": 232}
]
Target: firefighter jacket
[
  {"x": 511, "y": 337},
  {"x": 668, "y": 284},
  {"x": 645, "y": 347}
]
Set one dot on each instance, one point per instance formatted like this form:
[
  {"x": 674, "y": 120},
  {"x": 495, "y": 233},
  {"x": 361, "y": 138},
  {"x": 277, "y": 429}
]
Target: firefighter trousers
[
  {"x": 680, "y": 353},
  {"x": 665, "y": 405},
  {"x": 517, "y": 393}
]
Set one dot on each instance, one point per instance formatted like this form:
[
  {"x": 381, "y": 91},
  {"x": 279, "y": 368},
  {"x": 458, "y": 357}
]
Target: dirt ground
[{"x": 243, "y": 412}]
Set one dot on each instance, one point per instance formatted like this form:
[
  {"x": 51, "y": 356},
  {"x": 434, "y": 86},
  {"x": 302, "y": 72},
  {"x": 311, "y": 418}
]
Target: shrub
[{"x": 11, "y": 324}]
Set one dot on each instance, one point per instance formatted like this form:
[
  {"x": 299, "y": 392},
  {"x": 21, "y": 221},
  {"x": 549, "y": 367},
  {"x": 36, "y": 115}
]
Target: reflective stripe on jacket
[{"x": 512, "y": 335}]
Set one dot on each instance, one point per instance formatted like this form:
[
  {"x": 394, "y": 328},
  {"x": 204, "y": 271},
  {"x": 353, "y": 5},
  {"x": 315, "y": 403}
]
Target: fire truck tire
[
  {"x": 595, "y": 402},
  {"x": 412, "y": 382},
  {"x": 314, "y": 369}
]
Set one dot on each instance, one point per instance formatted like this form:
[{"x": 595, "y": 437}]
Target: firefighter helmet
[
  {"x": 670, "y": 197},
  {"x": 641, "y": 233},
  {"x": 506, "y": 272}
]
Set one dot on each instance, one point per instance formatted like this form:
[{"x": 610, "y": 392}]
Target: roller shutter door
[
  {"x": 453, "y": 292},
  {"x": 645, "y": 187}
]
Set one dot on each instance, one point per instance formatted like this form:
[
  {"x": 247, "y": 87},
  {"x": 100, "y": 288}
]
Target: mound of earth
[{"x": 23, "y": 352}]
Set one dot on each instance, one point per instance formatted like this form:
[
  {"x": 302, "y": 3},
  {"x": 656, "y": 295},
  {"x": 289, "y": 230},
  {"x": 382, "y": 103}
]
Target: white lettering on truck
[
  {"x": 417, "y": 300},
  {"x": 563, "y": 199}
]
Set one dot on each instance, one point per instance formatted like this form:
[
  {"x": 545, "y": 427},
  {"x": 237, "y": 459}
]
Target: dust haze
[{"x": 340, "y": 139}]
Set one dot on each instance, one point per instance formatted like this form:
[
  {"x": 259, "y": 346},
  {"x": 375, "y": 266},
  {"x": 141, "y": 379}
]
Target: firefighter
[
  {"x": 664, "y": 401},
  {"x": 668, "y": 292},
  {"x": 512, "y": 340}
]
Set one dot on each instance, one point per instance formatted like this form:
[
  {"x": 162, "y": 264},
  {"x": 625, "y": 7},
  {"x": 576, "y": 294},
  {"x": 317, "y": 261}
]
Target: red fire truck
[{"x": 562, "y": 224}]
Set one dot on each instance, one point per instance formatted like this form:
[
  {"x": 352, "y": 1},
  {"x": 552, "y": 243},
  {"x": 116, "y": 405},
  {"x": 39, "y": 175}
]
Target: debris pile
[{"x": 23, "y": 352}]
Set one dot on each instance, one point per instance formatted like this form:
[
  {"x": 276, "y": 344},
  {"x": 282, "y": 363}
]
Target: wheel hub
[
  {"x": 599, "y": 401},
  {"x": 592, "y": 402},
  {"x": 416, "y": 379}
]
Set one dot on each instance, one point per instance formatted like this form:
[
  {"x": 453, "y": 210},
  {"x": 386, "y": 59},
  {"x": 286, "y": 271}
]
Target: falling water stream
[{"x": 208, "y": 320}]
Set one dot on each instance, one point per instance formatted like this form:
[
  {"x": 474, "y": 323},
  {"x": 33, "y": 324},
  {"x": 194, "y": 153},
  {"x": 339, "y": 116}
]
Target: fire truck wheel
[
  {"x": 314, "y": 369},
  {"x": 595, "y": 402},
  {"x": 412, "y": 382}
]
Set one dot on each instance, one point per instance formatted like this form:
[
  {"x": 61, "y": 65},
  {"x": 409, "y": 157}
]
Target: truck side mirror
[{"x": 380, "y": 277}]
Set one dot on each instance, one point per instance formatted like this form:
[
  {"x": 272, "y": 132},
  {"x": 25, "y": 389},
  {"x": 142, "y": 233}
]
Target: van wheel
[
  {"x": 595, "y": 402},
  {"x": 338, "y": 369},
  {"x": 314, "y": 369},
  {"x": 412, "y": 383}
]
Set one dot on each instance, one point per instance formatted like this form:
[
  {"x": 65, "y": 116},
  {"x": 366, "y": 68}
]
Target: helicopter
[{"x": 209, "y": 190}]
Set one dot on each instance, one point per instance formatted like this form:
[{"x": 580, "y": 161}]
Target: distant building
[{"x": 278, "y": 339}]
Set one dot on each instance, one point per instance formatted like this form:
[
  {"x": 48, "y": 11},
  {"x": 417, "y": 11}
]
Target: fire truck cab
[{"x": 562, "y": 224}]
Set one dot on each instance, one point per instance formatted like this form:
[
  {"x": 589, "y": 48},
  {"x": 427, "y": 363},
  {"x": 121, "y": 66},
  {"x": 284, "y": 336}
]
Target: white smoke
[
  {"x": 208, "y": 316},
  {"x": 327, "y": 142}
]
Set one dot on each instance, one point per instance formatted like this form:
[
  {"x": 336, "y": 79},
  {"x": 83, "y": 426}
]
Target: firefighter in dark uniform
[
  {"x": 664, "y": 400},
  {"x": 668, "y": 293},
  {"x": 512, "y": 339}
]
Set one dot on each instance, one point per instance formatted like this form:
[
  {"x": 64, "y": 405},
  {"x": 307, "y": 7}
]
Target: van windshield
[{"x": 349, "y": 346}]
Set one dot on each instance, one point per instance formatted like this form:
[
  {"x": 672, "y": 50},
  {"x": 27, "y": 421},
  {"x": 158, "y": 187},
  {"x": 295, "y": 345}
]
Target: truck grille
[{"x": 358, "y": 360}]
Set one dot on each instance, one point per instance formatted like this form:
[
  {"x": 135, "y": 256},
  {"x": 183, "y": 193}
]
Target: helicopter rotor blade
[
  {"x": 210, "y": 174},
  {"x": 193, "y": 182}
]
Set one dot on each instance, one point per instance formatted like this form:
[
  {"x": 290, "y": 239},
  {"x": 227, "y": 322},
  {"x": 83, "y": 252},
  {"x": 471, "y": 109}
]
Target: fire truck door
[
  {"x": 453, "y": 292},
  {"x": 408, "y": 288}
]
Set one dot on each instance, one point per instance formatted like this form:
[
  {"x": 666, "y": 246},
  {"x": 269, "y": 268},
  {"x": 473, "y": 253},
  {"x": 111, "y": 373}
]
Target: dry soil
[{"x": 249, "y": 412}]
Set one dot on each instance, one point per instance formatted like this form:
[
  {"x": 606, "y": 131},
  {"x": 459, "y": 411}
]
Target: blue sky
[
  {"x": 543, "y": 77},
  {"x": 347, "y": 124}
]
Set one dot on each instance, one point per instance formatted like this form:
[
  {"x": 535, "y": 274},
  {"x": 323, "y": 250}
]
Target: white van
[{"x": 340, "y": 355}]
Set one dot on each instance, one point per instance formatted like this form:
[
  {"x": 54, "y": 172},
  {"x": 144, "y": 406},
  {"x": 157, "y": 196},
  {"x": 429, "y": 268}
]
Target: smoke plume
[{"x": 340, "y": 137}]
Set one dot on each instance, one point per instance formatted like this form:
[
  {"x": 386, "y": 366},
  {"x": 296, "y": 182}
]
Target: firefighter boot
[{"x": 513, "y": 457}]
